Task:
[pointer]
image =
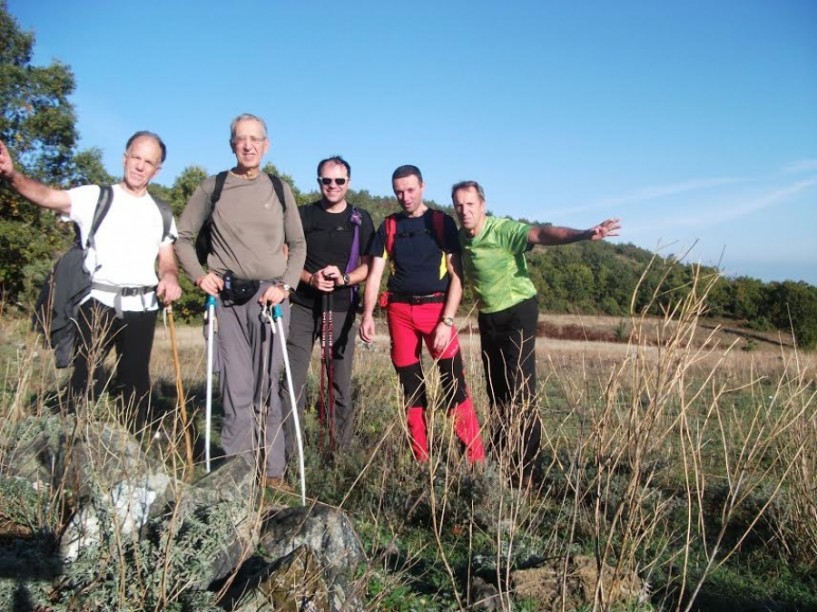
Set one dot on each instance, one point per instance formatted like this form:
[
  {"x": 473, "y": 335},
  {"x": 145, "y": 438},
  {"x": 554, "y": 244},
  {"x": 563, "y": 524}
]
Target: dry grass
[{"x": 668, "y": 455}]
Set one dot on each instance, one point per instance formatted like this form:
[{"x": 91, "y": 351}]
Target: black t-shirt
[
  {"x": 329, "y": 239},
  {"x": 418, "y": 263}
]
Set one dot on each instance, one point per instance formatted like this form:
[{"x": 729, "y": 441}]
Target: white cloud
[
  {"x": 803, "y": 165},
  {"x": 662, "y": 191}
]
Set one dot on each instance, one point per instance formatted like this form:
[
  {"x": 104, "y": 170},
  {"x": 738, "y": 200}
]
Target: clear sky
[{"x": 695, "y": 122}]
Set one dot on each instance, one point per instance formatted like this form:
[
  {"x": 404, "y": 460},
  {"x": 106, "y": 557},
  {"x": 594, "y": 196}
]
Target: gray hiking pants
[
  {"x": 252, "y": 426},
  {"x": 304, "y": 331}
]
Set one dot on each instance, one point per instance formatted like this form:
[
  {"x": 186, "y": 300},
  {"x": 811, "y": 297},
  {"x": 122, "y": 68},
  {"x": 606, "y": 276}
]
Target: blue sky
[{"x": 694, "y": 122}]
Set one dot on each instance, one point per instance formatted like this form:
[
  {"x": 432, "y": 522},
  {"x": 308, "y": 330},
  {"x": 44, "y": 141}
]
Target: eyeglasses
[
  {"x": 323, "y": 180},
  {"x": 250, "y": 139}
]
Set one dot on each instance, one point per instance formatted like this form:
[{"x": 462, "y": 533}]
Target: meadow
[{"x": 677, "y": 470}]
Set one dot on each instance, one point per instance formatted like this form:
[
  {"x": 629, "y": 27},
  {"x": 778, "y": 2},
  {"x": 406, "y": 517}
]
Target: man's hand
[
  {"x": 326, "y": 279},
  {"x": 442, "y": 337},
  {"x": 604, "y": 229},
  {"x": 211, "y": 283},
  {"x": 6, "y": 165},
  {"x": 275, "y": 294},
  {"x": 168, "y": 289},
  {"x": 366, "y": 331}
]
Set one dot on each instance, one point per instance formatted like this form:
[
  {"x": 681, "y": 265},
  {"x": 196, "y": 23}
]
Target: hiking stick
[
  {"x": 278, "y": 318},
  {"x": 180, "y": 397},
  {"x": 210, "y": 314}
]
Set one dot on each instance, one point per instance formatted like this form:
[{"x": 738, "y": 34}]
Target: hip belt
[
  {"x": 124, "y": 291},
  {"x": 416, "y": 300}
]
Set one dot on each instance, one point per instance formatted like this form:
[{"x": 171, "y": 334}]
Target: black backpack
[
  {"x": 204, "y": 239},
  {"x": 69, "y": 282}
]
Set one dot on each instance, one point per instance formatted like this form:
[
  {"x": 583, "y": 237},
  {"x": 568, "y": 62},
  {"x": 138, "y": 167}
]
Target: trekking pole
[
  {"x": 278, "y": 319},
  {"x": 322, "y": 392},
  {"x": 180, "y": 398},
  {"x": 326, "y": 399},
  {"x": 210, "y": 317}
]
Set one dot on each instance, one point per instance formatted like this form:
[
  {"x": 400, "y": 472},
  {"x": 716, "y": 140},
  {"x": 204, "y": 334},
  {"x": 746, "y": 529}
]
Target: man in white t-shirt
[{"x": 130, "y": 245}]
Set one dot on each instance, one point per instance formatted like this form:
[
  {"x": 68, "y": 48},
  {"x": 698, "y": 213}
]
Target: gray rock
[
  {"x": 308, "y": 556},
  {"x": 294, "y": 583},
  {"x": 483, "y": 595},
  {"x": 329, "y": 534},
  {"x": 232, "y": 489}
]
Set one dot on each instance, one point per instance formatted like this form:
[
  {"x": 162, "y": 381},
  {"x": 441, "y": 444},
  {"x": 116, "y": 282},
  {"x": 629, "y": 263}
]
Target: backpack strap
[
  {"x": 355, "y": 219},
  {"x": 278, "y": 185},
  {"x": 390, "y": 224},
  {"x": 103, "y": 205},
  {"x": 221, "y": 178},
  {"x": 438, "y": 224},
  {"x": 167, "y": 215}
]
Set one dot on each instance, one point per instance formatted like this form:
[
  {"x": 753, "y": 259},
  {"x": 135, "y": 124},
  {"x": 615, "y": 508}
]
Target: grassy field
[{"x": 675, "y": 451}]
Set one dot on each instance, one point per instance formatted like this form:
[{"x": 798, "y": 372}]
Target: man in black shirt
[{"x": 337, "y": 238}]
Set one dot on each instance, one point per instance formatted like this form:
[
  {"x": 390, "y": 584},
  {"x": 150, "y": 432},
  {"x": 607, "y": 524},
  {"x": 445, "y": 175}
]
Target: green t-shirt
[{"x": 494, "y": 262}]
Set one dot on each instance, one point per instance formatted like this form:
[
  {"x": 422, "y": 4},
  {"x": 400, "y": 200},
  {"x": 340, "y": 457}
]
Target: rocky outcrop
[{"x": 123, "y": 501}]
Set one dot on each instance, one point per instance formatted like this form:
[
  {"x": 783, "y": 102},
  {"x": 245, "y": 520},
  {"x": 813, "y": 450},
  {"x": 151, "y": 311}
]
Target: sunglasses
[{"x": 328, "y": 181}]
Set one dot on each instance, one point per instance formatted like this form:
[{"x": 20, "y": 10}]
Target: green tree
[
  {"x": 86, "y": 168},
  {"x": 37, "y": 123},
  {"x": 271, "y": 168},
  {"x": 36, "y": 118},
  {"x": 793, "y": 306},
  {"x": 184, "y": 186},
  {"x": 747, "y": 298},
  {"x": 579, "y": 284}
]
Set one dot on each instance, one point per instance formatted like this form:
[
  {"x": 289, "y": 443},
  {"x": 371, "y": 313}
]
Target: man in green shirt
[{"x": 493, "y": 255}]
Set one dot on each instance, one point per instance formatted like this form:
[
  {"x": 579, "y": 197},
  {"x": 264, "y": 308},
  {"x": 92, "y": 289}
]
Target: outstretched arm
[
  {"x": 551, "y": 235},
  {"x": 33, "y": 191}
]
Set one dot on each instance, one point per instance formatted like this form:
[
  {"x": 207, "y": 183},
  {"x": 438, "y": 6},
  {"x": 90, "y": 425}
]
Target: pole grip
[
  {"x": 211, "y": 301},
  {"x": 276, "y": 312}
]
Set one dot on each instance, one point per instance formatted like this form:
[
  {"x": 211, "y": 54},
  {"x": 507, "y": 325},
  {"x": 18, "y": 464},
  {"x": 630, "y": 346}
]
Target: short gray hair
[{"x": 246, "y": 117}]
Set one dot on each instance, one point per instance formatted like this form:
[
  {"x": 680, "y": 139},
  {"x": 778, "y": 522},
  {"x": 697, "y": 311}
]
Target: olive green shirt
[{"x": 249, "y": 231}]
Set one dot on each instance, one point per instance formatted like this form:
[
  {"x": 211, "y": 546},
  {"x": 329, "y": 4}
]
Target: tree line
[{"x": 38, "y": 122}]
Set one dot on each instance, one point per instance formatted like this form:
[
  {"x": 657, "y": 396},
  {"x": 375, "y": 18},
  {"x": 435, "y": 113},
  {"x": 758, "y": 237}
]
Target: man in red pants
[{"x": 424, "y": 291}]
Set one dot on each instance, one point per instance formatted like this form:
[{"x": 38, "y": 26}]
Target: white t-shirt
[{"x": 127, "y": 243}]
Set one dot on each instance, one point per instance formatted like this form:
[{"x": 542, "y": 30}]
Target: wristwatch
[
  {"x": 347, "y": 280},
  {"x": 286, "y": 287},
  {"x": 449, "y": 321}
]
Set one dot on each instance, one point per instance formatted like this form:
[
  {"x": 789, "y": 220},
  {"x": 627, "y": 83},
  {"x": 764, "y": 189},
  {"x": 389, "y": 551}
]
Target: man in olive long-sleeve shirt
[{"x": 255, "y": 238}]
